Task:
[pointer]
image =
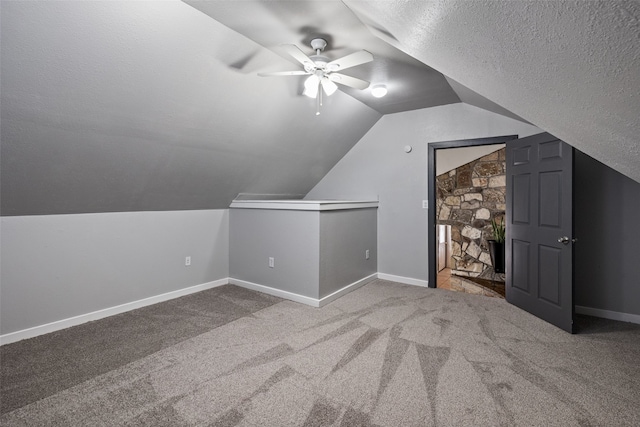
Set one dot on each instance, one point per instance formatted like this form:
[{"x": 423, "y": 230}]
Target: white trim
[
  {"x": 405, "y": 280},
  {"x": 352, "y": 287},
  {"x": 608, "y": 314},
  {"x": 106, "y": 312},
  {"x": 303, "y": 205},
  {"x": 314, "y": 302}
]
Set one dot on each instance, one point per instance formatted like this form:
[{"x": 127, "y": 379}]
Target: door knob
[{"x": 565, "y": 240}]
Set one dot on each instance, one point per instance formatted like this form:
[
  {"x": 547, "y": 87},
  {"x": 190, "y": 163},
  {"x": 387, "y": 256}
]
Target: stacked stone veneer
[{"x": 467, "y": 199}]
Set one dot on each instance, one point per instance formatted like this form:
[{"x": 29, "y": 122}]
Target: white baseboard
[
  {"x": 608, "y": 314},
  {"x": 349, "y": 288},
  {"x": 100, "y": 314},
  {"x": 405, "y": 280},
  {"x": 313, "y": 302},
  {"x": 111, "y": 311}
]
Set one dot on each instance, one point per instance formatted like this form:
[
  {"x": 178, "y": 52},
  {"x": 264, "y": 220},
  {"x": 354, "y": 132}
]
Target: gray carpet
[{"x": 384, "y": 355}]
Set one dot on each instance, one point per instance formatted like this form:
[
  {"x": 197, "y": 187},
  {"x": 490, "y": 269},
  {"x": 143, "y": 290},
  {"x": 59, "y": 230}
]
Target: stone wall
[{"x": 467, "y": 199}]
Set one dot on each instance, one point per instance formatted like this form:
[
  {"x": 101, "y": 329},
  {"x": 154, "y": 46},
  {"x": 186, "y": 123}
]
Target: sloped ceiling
[
  {"x": 124, "y": 106},
  {"x": 156, "y": 105},
  {"x": 470, "y": 97},
  {"x": 411, "y": 84},
  {"x": 571, "y": 68}
]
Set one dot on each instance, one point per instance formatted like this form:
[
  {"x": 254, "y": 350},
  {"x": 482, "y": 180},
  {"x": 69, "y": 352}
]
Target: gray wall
[
  {"x": 291, "y": 237},
  {"x": 58, "y": 266},
  {"x": 607, "y": 225},
  {"x": 345, "y": 235},
  {"x": 378, "y": 167}
]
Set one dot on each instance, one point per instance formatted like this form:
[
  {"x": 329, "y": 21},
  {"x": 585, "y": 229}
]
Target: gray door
[{"x": 539, "y": 252}]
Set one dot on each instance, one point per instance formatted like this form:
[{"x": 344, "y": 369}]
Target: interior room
[
  {"x": 225, "y": 212},
  {"x": 470, "y": 213}
]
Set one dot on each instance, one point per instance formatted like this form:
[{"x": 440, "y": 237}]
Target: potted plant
[{"x": 496, "y": 245}]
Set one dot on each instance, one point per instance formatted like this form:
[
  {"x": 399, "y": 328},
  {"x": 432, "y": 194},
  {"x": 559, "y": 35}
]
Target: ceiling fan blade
[
  {"x": 284, "y": 73},
  {"x": 356, "y": 58},
  {"x": 349, "y": 81},
  {"x": 297, "y": 54}
]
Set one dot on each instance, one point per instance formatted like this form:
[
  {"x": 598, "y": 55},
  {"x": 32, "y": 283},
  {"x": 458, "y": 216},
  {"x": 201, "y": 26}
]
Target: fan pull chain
[{"x": 319, "y": 99}]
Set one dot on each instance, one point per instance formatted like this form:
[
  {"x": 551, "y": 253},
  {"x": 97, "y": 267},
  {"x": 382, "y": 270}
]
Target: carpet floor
[{"x": 386, "y": 354}]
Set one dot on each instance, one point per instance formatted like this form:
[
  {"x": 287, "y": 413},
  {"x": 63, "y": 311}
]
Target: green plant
[{"x": 498, "y": 230}]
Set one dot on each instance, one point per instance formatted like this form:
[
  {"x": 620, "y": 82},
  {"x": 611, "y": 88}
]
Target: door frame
[{"x": 432, "y": 261}]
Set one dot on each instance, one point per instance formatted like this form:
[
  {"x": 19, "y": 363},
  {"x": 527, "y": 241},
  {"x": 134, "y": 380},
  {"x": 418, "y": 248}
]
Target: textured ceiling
[
  {"x": 571, "y": 68},
  {"x": 156, "y": 105}
]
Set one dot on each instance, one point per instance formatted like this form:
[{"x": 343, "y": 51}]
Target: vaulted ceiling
[
  {"x": 124, "y": 106},
  {"x": 571, "y": 68},
  {"x": 411, "y": 84}
]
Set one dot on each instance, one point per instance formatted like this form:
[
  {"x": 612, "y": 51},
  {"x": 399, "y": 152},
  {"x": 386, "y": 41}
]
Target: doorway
[
  {"x": 443, "y": 236},
  {"x": 443, "y": 241},
  {"x": 539, "y": 224},
  {"x": 465, "y": 268}
]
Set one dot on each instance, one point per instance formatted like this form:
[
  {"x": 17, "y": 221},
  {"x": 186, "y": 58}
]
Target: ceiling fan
[{"x": 322, "y": 72}]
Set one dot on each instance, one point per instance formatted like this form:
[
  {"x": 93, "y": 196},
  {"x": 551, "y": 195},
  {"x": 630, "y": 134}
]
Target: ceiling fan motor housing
[
  {"x": 319, "y": 61},
  {"x": 318, "y": 44}
]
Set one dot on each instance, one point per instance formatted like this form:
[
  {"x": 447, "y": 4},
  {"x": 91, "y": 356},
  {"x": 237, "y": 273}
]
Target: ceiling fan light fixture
[
  {"x": 311, "y": 86},
  {"x": 378, "y": 91},
  {"x": 328, "y": 86}
]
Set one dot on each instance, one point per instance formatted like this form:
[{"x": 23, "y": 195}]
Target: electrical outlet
[
  {"x": 366, "y": 254},
  {"x": 425, "y": 204},
  {"x": 272, "y": 262},
  {"x": 187, "y": 261}
]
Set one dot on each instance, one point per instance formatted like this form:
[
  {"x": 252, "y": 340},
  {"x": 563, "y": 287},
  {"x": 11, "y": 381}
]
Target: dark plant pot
[{"x": 496, "y": 252}]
